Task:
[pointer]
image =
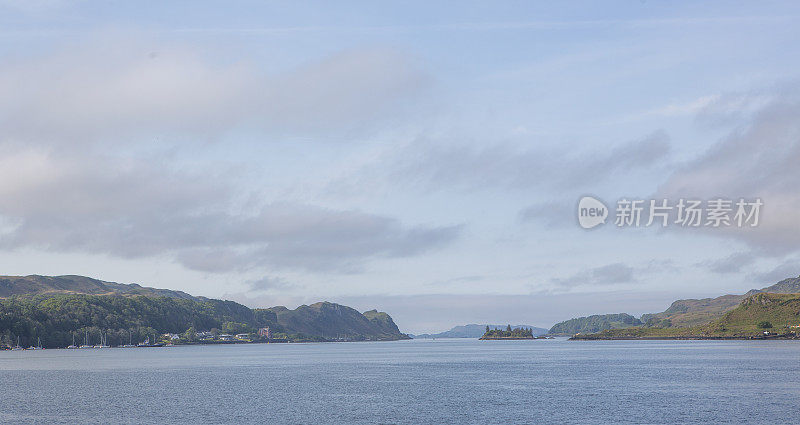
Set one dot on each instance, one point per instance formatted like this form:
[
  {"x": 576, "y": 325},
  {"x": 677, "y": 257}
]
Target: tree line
[{"x": 508, "y": 333}]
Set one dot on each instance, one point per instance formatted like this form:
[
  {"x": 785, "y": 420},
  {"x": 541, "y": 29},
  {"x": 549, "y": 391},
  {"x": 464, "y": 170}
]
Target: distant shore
[
  {"x": 509, "y": 338},
  {"x": 598, "y": 337}
]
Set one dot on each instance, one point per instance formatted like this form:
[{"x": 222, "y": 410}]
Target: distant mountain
[
  {"x": 55, "y": 307},
  {"x": 476, "y": 331},
  {"x": 595, "y": 323},
  {"x": 335, "y": 321},
  {"x": 693, "y": 312},
  {"x": 70, "y": 284}
]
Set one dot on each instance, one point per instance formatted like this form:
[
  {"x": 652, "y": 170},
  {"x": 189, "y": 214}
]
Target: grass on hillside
[{"x": 759, "y": 313}]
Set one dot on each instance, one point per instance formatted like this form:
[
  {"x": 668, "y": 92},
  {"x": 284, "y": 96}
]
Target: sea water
[{"x": 458, "y": 381}]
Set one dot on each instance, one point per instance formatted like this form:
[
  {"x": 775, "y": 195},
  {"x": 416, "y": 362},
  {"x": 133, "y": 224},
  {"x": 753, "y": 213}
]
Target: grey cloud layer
[
  {"x": 603, "y": 275},
  {"x": 133, "y": 209},
  {"x": 732, "y": 263},
  {"x": 759, "y": 160}
]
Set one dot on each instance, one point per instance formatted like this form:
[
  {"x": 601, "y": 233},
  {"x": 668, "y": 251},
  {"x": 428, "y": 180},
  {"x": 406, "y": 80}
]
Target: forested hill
[
  {"x": 595, "y": 323},
  {"x": 71, "y": 284},
  {"x": 53, "y": 310},
  {"x": 335, "y": 321},
  {"x": 54, "y": 318}
]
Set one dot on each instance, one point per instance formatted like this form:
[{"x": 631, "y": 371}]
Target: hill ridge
[
  {"x": 761, "y": 315},
  {"x": 49, "y": 300}
]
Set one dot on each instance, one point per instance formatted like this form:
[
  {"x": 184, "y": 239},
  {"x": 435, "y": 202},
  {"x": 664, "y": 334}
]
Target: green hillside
[
  {"x": 335, "y": 321},
  {"x": 775, "y": 314},
  {"x": 758, "y": 313},
  {"x": 382, "y": 321},
  {"x": 71, "y": 284},
  {"x": 693, "y": 312}
]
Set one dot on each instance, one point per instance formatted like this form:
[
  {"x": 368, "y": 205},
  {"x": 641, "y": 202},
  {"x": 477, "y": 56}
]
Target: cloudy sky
[{"x": 421, "y": 158}]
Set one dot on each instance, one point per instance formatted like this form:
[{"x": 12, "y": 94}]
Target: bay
[{"x": 458, "y": 381}]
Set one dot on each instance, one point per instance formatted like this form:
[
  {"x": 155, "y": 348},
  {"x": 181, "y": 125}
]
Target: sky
[{"x": 422, "y": 158}]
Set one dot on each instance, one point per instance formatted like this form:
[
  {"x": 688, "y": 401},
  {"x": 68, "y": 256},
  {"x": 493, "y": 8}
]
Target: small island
[{"x": 508, "y": 333}]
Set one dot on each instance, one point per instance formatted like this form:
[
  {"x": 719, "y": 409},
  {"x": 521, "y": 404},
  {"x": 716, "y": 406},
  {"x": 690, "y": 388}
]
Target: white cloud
[{"x": 120, "y": 90}]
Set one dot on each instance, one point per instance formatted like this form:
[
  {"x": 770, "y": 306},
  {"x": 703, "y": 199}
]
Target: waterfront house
[{"x": 204, "y": 335}]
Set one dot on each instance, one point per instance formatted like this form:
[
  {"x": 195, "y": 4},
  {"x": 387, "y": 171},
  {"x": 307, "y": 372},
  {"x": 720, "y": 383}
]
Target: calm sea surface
[{"x": 411, "y": 382}]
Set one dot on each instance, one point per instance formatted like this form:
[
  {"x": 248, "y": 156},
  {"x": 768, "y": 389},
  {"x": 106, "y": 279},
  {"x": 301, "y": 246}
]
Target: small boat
[
  {"x": 38, "y": 345},
  {"x": 147, "y": 343}
]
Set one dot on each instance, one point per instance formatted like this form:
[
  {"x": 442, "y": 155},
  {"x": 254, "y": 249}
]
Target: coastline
[{"x": 596, "y": 337}]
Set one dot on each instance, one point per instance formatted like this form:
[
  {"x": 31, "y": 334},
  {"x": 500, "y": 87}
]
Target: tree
[
  {"x": 508, "y": 328},
  {"x": 487, "y": 329},
  {"x": 190, "y": 334},
  {"x": 764, "y": 325}
]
